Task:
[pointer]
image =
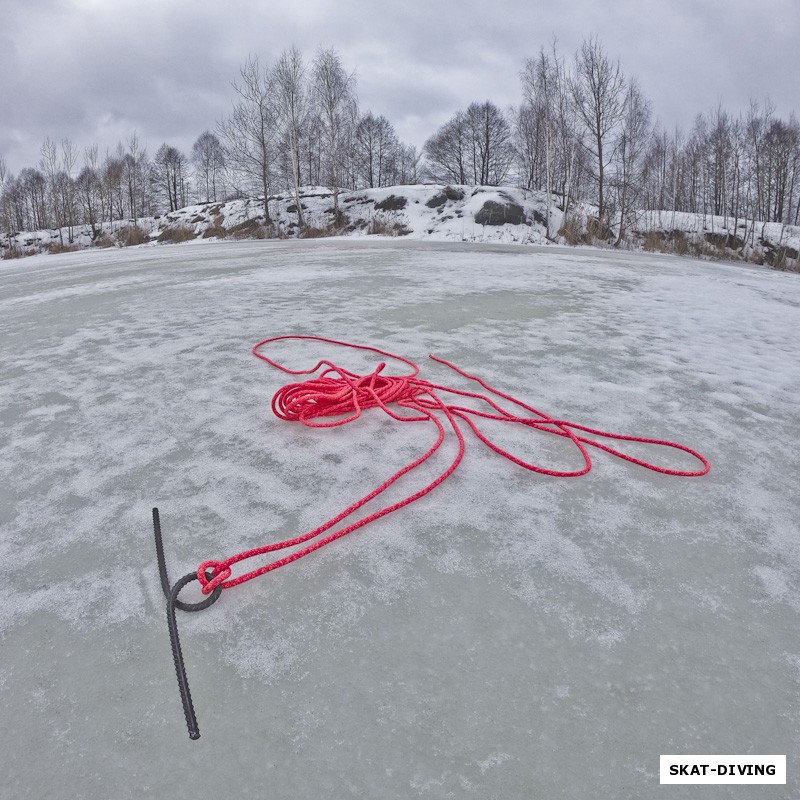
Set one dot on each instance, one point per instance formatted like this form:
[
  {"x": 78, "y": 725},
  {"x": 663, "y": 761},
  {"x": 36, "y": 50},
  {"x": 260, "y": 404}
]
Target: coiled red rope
[{"x": 338, "y": 396}]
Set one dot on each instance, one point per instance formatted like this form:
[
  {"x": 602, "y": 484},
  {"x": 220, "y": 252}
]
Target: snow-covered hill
[{"x": 429, "y": 211}]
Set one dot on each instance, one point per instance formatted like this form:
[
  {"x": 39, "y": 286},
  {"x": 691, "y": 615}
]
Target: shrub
[
  {"x": 215, "y": 230},
  {"x": 103, "y": 240},
  {"x": 494, "y": 213},
  {"x": 245, "y": 230},
  {"x": 131, "y": 235},
  {"x": 724, "y": 240},
  {"x": 571, "y": 230},
  {"x": 392, "y": 203},
  {"x": 178, "y": 233},
  {"x": 597, "y": 230},
  {"x": 341, "y": 221},
  {"x": 654, "y": 242},
  {"x": 313, "y": 232},
  {"x": 12, "y": 251},
  {"x": 666, "y": 242},
  {"x": 678, "y": 242},
  {"x": 778, "y": 257},
  {"x": 382, "y": 227},
  {"x": 57, "y": 247}
]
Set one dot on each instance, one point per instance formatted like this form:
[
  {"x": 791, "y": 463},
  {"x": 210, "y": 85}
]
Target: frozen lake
[{"x": 511, "y": 635}]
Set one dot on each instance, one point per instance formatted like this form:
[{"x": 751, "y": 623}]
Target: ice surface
[{"x": 509, "y": 636}]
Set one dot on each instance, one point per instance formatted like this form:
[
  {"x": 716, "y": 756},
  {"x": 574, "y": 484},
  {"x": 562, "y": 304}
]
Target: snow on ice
[{"x": 511, "y": 635}]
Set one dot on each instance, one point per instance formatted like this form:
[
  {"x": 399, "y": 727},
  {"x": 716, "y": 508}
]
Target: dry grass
[
  {"x": 783, "y": 258},
  {"x": 215, "y": 230},
  {"x": 249, "y": 229},
  {"x": 571, "y": 230},
  {"x": 176, "y": 234},
  {"x": 382, "y": 227},
  {"x": 103, "y": 240},
  {"x": 13, "y": 251},
  {"x": 336, "y": 227},
  {"x": 675, "y": 242},
  {"x": 597, "y": 231},
  {"x": 131, "y": 235},
  {"x": 57, "y": 247},
  {"x": 312, "y": 232}
]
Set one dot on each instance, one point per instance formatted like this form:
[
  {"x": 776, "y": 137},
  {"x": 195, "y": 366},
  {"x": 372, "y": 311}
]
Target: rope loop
[{"x": 339, "y": 396}]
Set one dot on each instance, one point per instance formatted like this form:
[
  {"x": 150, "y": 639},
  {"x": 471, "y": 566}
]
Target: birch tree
[
  {"x": 446, "y": 151},
  {"x": 208, "y": 158},
  {"x": 289, "y": 91},
  {"x": 598, "y": 91},
  {"x": 539, "y": 86},
  {"x": 249, "y": 133},
  {"x": 630, "y": 153},
  {"x": 375, "y": 144},
  {"x": 170, "y": 175},
  {"x": 88, "y": 189},
  {"x": 490, "y": 149},
  {"x": 337, "y": 109},
  {"x": 474, "y": 146}
]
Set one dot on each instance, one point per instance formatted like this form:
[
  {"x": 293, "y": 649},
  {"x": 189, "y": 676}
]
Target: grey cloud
[{"x": 96, "y": 71}]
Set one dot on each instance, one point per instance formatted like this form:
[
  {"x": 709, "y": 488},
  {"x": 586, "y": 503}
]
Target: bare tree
[
  {"x": 540, "y": 78},
  {"x": 33, "y": 196},
  {"x": 634, "y": 134},
  {"x": 250, "y": 131},
  {"x": 48, "y": 163},
  {"x": 88, "y": 186},
  {"x": 337, "y": 108},
  {"x": 598, "y": 91},
  {"x": 170, "y": 175},
  {"x": 66, "y": 186},
  {"x": 5, "y": 179},
  {"x": 58, "y": 166},
  {"x": 491, "y": 152},
  {"x": 474, "y": 146},
  {"x": 112, "y": 186},
  {"x": 136, "y": 169},
  {"x": 208, "y": 157},
  {"x": 446, "y": 151},
  {"x": 375, "y": 146},
  {"x": 405, "y": 165},
  {"x": 289, "y": 92}
]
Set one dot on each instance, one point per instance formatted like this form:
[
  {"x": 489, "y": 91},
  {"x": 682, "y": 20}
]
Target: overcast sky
[{"x": 98, "y": 70}]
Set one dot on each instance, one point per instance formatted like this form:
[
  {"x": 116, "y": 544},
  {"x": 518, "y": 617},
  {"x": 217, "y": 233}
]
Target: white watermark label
[{"x": 723, "y": 769}]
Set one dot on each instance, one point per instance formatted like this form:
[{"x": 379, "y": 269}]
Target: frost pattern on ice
[{"x": 448, "y": 650}]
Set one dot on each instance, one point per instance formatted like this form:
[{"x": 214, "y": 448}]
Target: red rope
[{"x": 339, "y": 393}]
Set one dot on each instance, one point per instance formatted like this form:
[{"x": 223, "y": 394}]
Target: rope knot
[{"x": 220, "y": 571}]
